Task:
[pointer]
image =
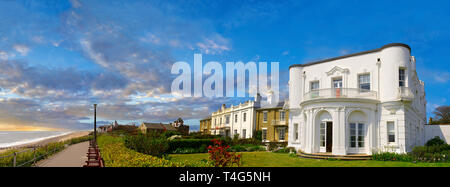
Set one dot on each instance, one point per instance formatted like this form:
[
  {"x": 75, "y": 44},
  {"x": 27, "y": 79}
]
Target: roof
[
  {"x": 279, "y": 105},
  {"x": 353, "y": 54},
  {"x": 159, "y": 126}
]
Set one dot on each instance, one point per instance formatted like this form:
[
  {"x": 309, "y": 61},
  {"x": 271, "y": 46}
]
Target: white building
[
  {"x": 358, "y": 103},
  {"x": 239, "y": 119}
]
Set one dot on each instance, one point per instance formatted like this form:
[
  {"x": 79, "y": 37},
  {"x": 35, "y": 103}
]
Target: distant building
[
  {"x": 177, "y": 125},
  {"x": 180, "y": 126},
  {"x": 156, "y": 127},
  {"x": 107, "y": 128},
  {"x": 273, "y": 123},
  {"x": 205, "y": 126}
]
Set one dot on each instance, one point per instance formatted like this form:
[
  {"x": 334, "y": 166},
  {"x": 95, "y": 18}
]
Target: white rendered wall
[
  {"x": 443, "y": 131},
  {"x": 383, "y": 66}
]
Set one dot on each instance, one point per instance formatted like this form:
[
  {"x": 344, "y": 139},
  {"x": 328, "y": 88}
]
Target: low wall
[{"x": 443, "y": 131}]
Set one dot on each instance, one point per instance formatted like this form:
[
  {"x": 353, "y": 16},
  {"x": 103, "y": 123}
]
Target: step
[{"x": 329, "y": 156}]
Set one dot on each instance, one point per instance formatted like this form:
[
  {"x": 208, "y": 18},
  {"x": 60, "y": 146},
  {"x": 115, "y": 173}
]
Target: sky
[{"x": 59, "y": 57}]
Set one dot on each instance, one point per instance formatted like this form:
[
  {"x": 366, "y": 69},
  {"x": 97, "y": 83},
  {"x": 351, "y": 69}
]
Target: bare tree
[{"x": 442, "y": 114}]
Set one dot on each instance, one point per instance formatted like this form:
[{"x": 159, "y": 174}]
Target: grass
[{"x": 269, "y": 159}]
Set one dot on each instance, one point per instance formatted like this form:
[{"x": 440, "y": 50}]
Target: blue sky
[{"x": 58, "y": 57}]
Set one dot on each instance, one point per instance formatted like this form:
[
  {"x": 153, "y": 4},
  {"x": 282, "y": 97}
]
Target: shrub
[
  {"x": 435, "y": 153},
  {"x": 258, "y": 135},
  {"x": 220, "y": 157},
  {"x": 247, "y": 147},
  {"x": 435, "y": 141},
  {"x": 389, "y": 156},
  {"x": 199, "y": 144},
  {"x": 151, "y": 144},
  {"x": 285, "y": 150}
]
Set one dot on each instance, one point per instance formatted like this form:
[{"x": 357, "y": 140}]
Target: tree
[{"x": 442, "y": 114}]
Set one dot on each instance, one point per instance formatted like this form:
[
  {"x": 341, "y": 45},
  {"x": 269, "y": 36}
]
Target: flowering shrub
[
  {"x": 220, "y": 156},
  {"x": 115, "y": 154}
]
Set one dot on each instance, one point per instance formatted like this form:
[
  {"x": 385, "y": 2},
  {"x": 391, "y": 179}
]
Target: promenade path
[{"x": 72, "y": 156}]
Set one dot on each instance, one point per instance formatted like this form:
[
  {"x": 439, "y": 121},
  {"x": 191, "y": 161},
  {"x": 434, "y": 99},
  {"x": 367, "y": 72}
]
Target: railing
[
  {"x": 94, "y": 157},
  {"x": 340, "y": 93},
  {"x": 278, "y": 122},
  {"x": 16, "y": 159},
  {"x": 405, "y": 93}
]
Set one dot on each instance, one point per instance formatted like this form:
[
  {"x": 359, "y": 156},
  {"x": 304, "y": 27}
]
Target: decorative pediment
[{"x": 337, "y": 69}]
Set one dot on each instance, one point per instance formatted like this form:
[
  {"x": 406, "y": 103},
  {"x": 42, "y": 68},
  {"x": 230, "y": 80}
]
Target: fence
[{"x": 28, "y": 157}]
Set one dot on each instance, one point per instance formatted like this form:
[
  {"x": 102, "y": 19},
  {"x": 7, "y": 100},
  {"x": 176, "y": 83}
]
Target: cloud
[
  {"x": 22, "y": 49},
  {"x": 214, "y": 45}
]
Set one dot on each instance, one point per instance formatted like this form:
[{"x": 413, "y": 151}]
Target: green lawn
[{"x": 269, "y": 159}]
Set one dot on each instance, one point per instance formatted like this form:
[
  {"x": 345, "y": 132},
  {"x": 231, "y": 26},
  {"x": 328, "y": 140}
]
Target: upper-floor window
[
  {"x": 364, "y": 82},
  {"x": 245, "y": 117},
  {"x": 282, "y": 115},
  {"x": 265, "y": 116},
  {"x": 235, "y": 118},
  {"x": 401, "y": 77},
  {"x": 314, "y": 85},
  {"x": 227, "y": 119}
]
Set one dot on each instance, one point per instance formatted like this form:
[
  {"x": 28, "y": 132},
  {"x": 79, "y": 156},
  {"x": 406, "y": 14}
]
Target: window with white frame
[
  {"x": 264, "y": 134},
  {"x": 323, "y": 128},
  {"x": 245, "y": 117},
  {"x": 235, "y": 131},
  {"x": 244, "y": 132},
  {"x": 296, "y": 131},
  {"x": 364, "y": 82},
  {"x": 282, "y": 115},
  {"x": 265, "y": 116},
  {"x": 357, "y": 135},
  {"x": 391, "y": 131},
  {"x": 235, "y": 118},
  {"x": 227, "y": 119},
  {"x": 401, "y": 77},
  {"x": 281, "y": 133},
  {"x": 314, "y": 85}
]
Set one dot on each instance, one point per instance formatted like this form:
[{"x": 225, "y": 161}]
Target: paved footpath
[{"x": 72, "y": 156}]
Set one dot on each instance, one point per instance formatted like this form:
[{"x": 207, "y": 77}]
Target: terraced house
[
  {"x": 273, "y": 123},
  {"x": 235, "y": 120},
  {"x": 357, "y": 103},
  {"x": 205, "y": 125}
]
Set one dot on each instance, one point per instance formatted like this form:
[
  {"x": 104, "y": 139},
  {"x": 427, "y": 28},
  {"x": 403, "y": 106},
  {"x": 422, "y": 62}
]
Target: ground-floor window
[
  {"x": 243, "y": 133},
  {"x": 296, "y": 130},
  {"x": 281, "y": 133},
  {"x": 323, "y": 130},
  {"x": 264, "y": 134},
  {"x": 356, "y": 135},
  {"x": 391, "y": 131}
]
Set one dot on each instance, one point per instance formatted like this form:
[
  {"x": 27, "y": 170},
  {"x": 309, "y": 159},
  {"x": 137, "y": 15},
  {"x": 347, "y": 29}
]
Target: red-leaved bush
[{"x": 220, "y": 156}]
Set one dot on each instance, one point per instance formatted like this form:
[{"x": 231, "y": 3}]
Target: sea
[{"x": 17, "y": 138}]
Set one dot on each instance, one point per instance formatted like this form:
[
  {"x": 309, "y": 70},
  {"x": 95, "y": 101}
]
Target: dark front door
[{"x": 329, "y": 138}]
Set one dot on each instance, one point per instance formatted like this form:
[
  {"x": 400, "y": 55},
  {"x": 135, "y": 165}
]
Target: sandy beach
[{"x": 50, "y": 140}]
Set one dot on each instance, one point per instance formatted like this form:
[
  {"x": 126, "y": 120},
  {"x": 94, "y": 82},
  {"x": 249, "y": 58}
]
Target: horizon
[{"x": 60, "y": 57}]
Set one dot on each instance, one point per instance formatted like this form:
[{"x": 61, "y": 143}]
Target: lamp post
[{"x": 95, "y": 123}]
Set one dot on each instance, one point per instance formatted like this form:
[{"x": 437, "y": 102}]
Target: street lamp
[{"x": 95, "y": 123}]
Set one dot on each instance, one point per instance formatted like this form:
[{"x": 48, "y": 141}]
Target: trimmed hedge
[
  {"x": 115, "y": 154},
  {"x": 195, "y": 144}
]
